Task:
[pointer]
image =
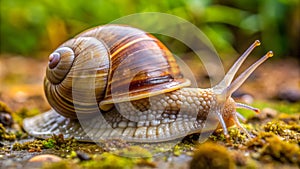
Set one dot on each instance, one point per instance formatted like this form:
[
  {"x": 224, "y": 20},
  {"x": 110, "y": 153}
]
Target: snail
[{"x": 119, "y": 82}]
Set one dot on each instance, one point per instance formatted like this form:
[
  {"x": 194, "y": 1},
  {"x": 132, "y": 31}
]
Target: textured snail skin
[
  {"x": 118, "y": 82},
  {"x": 172, "y": 115}
]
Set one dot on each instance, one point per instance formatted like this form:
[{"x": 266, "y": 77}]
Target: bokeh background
[{"x": 34, "y": 26}]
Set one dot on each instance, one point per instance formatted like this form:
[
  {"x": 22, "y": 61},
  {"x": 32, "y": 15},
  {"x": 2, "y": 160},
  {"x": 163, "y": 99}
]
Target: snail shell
[
  {"x": 133, "y": 80},
  {"x": 149, "y": 69}
]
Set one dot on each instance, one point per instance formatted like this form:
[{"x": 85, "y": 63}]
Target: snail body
[{"x": 133, "y": 80}]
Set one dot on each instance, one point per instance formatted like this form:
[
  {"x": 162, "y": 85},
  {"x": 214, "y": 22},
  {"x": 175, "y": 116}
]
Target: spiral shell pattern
[
  {"x": 76, "y": 75},
  {"x": 113, "y": 64}
]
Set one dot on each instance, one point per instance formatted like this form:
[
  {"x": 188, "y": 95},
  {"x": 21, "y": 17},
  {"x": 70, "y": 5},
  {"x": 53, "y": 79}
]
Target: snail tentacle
[
  {"x": 241, "y": 105},
  {"x": 242, "y": 77},
  {"x": 233, "y": 70}
]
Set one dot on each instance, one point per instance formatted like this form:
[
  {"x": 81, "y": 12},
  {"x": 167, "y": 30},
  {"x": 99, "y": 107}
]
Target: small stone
[
  {"x": 45, "y": 158},
  {"x": 6, "y": 119},
  {"x": 83, "y": 156},
  {"x": 5, "y": 115},
  {"x": 39, "y": 160},
  {"x": 243, "y": 97}
]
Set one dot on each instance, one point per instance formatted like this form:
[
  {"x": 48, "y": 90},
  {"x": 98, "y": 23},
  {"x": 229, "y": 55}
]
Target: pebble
[
  {"x": 243, "y": 97},
  {"x": 6, "y": 119},
  {"x": 37, "y": 162},
  {"x": 45, "y": 158},
  {"x": 83, "y": 156}
]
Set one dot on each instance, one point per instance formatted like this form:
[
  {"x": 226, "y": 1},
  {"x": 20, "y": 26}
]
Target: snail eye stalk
[
  {"x": 244, "y": 106},
  {"x": 232, "y": 71},
  {"x": 242, "y": 77}
]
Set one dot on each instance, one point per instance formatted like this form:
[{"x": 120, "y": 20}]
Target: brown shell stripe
[{"x": 140, "y": 63}]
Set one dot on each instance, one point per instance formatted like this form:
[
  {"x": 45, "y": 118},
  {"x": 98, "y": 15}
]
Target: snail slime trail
[{"x": 138, "y": 102}]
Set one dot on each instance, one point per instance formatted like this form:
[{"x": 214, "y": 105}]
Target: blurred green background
[{"x": 34, "y": 26}]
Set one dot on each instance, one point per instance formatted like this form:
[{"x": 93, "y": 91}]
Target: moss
[
  {"x": 5, "y": 135},
  {"x": 268, "y": 147},
  {"x": 217, "y": 136},
  {"x": 177, "y": 150},
  {"x": 139, "y": 155},
  {"x": 90, "y": 148},
  {"x": 257, "y": 142},
  {"x": 277, "y": 127},
  {"x": 24, "y": 113},
  {"x": 108, "y": 160},
  {"x": 289, "y": 132},
  {"x": 64, "y": 164},
  {"x": 290, "y": 118},
  {"x": 122, "y": 159},
  {"x": 5, "y": 108},
  {"x": 50, "y": 143},
  {"x": 134, "y": 152},
  {"x": 73, "y": 154},
  {"x": 183, "y": 148},
  {"x": 10, "y": 134},
  {"x": 281, "y": 151},
  {"x": 33, "y": 146},
  {"x": 20, "y": 134},
  {"x": 211, "y": 155},
  {"x": 56, "y": 141},
  {"x": 235, "y": 136}
]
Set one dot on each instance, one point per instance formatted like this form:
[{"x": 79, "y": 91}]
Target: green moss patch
[
  {"x": 4, "y": 108},
  {"x": 56, "y": 142},
  {"x": 211, "y": 155},
  {"x": 269, "y": 147},
  {"x": 23, "y": 113},
  {"x": 6, "y": 135},
  {"x": 118, "y": 160}
]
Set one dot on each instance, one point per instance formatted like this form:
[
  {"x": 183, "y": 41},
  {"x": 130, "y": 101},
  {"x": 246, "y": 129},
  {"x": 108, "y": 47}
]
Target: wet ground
[{"x": 274, "y": 88}]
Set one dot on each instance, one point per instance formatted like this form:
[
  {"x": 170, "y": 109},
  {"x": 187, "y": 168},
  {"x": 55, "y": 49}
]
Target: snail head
[{"x": 226, "y": 106}]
